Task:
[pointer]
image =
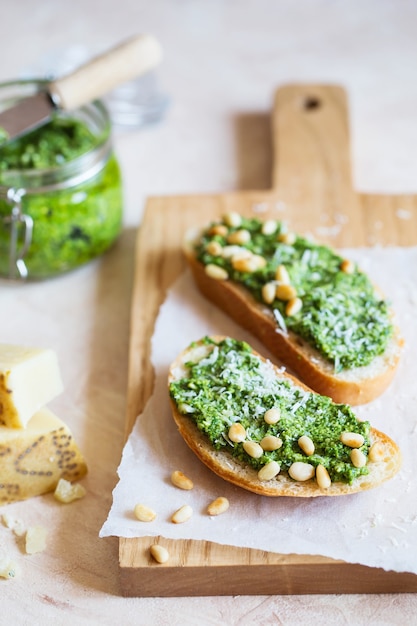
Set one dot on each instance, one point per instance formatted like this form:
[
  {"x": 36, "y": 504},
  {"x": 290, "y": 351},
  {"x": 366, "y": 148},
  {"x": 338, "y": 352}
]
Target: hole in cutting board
[{"x": 311, "y": 103}]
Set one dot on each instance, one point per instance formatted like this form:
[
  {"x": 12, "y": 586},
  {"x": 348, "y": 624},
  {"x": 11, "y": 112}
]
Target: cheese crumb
[
  {"x": 67, "y": 492},
  {"x": 35, "y": 539},
  {"x": 16, "y": 525},
  {"x": 8, "y": 568}
]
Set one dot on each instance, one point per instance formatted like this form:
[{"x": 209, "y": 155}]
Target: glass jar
[{"x": 62, "y": 209}]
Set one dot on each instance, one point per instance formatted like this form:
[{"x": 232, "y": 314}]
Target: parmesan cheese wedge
[
  {"x": 29, "y": 379},
  {"x": 32, "y": 460}
]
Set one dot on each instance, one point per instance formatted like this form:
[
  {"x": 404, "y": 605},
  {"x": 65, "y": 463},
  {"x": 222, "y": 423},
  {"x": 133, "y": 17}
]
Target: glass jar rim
[{"x": 73, "y": 171}]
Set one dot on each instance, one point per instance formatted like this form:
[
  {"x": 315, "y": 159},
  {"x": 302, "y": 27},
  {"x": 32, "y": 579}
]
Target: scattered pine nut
[
  {"x": 285, "y": 292},
  {"x": 253, "y": 449},
  {"x": 293, "y": 307},
  {"x": 353, "y": 440},
  {"x": 269, "y": 227},
  {"x": 239, "y": 237},
  {"x": 237, "y": 433},
  {"x": 218, "y": 229},
  {"x": 281, "y": 274},
  {"x": 245, "y": 263},
  {"x": 288, "y": 238},
  {"x": 268, "y": 292},
  {"x": 358, "y": 458},
  {"x": 182, "y": 515},
  {"x": 233, "y": 219},
  {"x": 216, "y": 272},
  {"x": 347, "y": 266},
  {"x": 235, "y": 251},
  {"x": 218, "y": 506},
  {"x": 180, "y": 480},
  {"x": 144, "y": 513},
  {"x": 272, "y": 416},
  {"x": 269, "y": 471},
  {"x": 270, "y": 443},
  {"x": 301, "y": 471},
  {"x": 322, "y": 477},
  {"x": 159, "y": 553},
  {"x": 214, "y": 248},
  {"x": 306, "y": 445}
]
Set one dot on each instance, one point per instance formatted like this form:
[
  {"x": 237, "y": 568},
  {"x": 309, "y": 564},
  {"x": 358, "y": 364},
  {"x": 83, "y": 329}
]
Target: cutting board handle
[
  {"x": 128, "y": 60},
  {"x": 311, "y": 146}
]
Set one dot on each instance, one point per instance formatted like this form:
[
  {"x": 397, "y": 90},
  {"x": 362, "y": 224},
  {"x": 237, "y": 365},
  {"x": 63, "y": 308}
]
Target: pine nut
[
  {"x": 353, "y": 440},
  {"x": 144, "y": 513},
  {"x": 218, "y": 229},
  {"x": 293, "y": 307},
  {"x": 347, "y": 266},
  {"x": 239, "y": 237},
  {"x": 182, "y": 515},
  {"x": 306, "y": 445},
  {"x": 376, "y": 452},
  {"x": 237, "y": 433},
  {"x": 260, "y": 261},
  {"x": 216, "y": 272},
  {"x": 281, "y": 274},
  {"x": 268, "y": 292},
  {"x": 235, "y": 251},
  {"x": 233, "y": 219},
  {"x": 218, "y": 506},
  {"x": 214, "y": 248},
  {"x": 270, "y": 443},
  {"x": 159, "y": 553},
  {"x": 253, "y": 449},
  {"x": 358, "y": 458},
  {"x": 285, "y": 292},
  {"x": 245, "y": 264},
  {"x": 269, "y": 471},
  {"x": 322, "y": 477},
  {"x": 185, "y": 408},
  {"x": 180, "y": 480},
  {"x": 301, "y": 471},
  {"x": 272, "y": 416},
  {"x": 288, "y": 238},
  {"x": 269, "y": 227}
]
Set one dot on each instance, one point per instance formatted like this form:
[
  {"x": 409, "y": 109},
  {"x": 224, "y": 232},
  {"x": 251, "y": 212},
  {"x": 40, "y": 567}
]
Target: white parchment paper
[{"x": 376, "y": 528}]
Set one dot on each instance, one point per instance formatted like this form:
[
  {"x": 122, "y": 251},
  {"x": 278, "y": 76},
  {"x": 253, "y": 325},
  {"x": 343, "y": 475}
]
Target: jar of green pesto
[{"x": 60, "y": 191}]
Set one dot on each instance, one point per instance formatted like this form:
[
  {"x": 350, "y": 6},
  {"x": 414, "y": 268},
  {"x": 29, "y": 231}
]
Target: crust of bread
[
  {"x": 356, "y": 386},
  {"x": 236, "y": 472}
]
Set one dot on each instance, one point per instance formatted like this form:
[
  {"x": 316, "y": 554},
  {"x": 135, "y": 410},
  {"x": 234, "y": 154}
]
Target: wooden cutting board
[{"x": 313, "y": 192}]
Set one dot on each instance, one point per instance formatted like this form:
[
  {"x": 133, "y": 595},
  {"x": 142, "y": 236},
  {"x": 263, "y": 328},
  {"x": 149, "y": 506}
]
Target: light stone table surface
[{"x": 223, "y": 62}]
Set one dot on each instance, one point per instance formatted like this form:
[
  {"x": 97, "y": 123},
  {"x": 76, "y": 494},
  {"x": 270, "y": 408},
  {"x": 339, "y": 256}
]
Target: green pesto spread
[
  {"x": 4, "y": 135},
  {"x": 51, "y": 145},
  {"x": 73, "y": 223},
  {"x": 341, "y": 316},
  {"x": 231, "y": 384}
]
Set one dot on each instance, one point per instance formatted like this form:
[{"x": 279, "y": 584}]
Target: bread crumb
[
  {"x": 67, "y": 492},
  {"x": 35, "y": 539}
]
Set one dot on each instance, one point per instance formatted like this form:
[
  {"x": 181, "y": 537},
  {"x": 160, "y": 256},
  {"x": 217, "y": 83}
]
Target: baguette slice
[
  {"x": 221, "y": 462},
  {"x": 358, "y": 385}
]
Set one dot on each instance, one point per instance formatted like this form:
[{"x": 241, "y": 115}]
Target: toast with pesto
[
  {"x": 258, "y": 427},
  {"x": 315, "y": 311}
]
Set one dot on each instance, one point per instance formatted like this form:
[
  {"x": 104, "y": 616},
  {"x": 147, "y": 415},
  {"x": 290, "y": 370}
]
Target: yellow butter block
[
  {"x": 32, "y": 460},
  {"x": 29, "y": 379}
]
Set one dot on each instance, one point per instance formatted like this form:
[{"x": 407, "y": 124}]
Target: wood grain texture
[{"x": 312, "y": 191}]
